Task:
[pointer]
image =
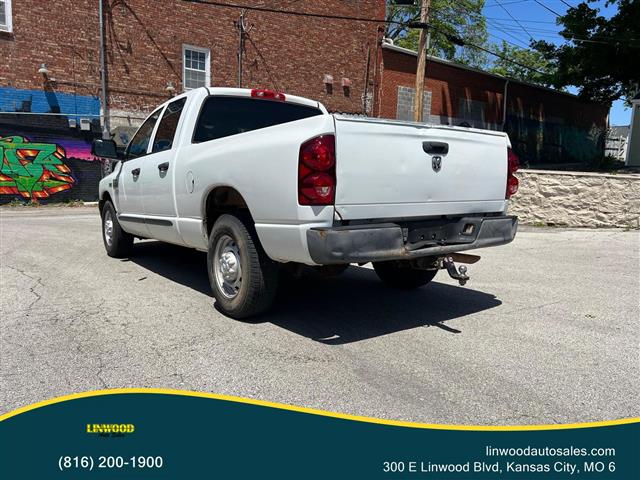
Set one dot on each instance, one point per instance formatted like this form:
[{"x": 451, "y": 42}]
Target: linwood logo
[{"x": 110, "y": 429}]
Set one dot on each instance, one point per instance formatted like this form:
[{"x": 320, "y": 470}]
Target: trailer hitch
[{"x": 457, "y": 273}]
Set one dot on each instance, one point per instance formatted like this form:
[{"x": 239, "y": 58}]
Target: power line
[
  {"x": 469, "y": 10},
  {"x": 515, "y": 20},
  {"x": 452, "y": 38},
  {"x": 554, "y": 33},
  {"x": 290, "y": 12},
  {"x": 523, "y": 21},
  {"x": 522, "y": 44},
  {"x": 613, "y": 41},
  {"x": 508, "y": 3},
  {"x": 506, "y": 59},
  {"x": 456, "y": 40},
  {"x": 548, "y": 8}
]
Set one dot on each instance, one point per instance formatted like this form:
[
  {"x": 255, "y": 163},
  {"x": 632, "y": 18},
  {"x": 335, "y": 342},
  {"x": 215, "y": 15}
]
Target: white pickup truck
[{"x": 260, "y": 179}]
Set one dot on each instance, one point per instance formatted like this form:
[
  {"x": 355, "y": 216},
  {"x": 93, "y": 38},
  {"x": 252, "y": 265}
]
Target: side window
[
  {"x": 138, "y": 145},
  {"x": 6, "y": 24},
  {"x": 225, "y": 116},
  {"x": 168, "y": 125}
]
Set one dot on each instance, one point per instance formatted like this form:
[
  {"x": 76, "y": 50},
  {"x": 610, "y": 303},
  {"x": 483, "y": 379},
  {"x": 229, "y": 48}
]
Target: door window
[
  {"x": 167, "y": 126},
  {"x": 140, "y": 142}
]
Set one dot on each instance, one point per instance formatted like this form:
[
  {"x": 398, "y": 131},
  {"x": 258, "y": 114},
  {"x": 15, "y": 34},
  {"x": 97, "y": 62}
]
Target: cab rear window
[{"x": 225, "y": 116}]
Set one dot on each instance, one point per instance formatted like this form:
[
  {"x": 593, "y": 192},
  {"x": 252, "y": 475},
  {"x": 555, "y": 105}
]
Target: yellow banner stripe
[{"x": 313, "y": 411}]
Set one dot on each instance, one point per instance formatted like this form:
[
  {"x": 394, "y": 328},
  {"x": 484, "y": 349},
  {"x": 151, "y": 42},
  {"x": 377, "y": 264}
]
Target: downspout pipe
[
  {"x": 103, "y": 76},
  {"x": 504, "y": 105}
]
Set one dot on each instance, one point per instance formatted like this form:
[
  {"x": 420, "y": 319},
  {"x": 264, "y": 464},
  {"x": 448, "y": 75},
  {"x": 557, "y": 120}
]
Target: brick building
[
  {"x": 547, "y": 127},
  {"x": 51, "y": 53},
  {"x": 151, "y": 44}
]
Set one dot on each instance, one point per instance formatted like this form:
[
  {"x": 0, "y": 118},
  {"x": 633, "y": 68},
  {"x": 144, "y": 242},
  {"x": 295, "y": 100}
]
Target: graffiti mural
[
  {"x": 32, "y": 170},
  {"x": 45, "y": 146},
  {"x": 44, "y": 166}
]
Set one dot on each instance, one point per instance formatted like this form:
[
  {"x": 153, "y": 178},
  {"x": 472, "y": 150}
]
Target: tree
[
  {"x": 461, "y": 18},
  {"x": 541, "y": 71},
  {"x": 601, "y": 56}
]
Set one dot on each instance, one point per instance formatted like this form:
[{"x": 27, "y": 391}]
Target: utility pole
[
  {"x": 241, "y": 25},
  {"x": 103, "y": 75},
  {"x": 422, "y": 62}
]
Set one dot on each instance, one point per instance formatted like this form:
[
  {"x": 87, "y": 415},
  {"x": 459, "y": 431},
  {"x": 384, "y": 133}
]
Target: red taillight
[
  {"x": 269, "y": 94},
  {"x": 512, "y": 168},
  {"x": 317, "y": 171}
]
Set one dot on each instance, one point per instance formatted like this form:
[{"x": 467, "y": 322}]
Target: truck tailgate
[{"x": 387, "y": 169}]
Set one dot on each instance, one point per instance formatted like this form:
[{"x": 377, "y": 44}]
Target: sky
[{"x": 540, "y": 24}]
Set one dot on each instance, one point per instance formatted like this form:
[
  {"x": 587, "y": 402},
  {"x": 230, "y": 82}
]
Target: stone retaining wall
[{"x": 577, "y": 199}]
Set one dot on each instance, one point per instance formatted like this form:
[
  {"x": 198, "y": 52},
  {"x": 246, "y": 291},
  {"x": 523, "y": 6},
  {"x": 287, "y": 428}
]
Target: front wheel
[
  {"x": 401, "y": 275},
  {"x": 243, "y": 278},
  {"x": 117, "y": 242}
]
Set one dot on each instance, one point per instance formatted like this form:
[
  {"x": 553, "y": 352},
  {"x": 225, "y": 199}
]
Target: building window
[
  {"x": 5, "y": 16},
  {"x": 196, "y": 71},
  {"x": 471, "y": 112}
]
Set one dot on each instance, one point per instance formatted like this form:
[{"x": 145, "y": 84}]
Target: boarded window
[
  {"x": 471, "y": 111},
  {"x": 404, "y": 109}
]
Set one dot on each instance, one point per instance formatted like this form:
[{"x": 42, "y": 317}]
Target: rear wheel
[
  {"x": 243, "y": 278},
  {"x": 117, "y": 242},
  {"x": 401, "y": 275}
]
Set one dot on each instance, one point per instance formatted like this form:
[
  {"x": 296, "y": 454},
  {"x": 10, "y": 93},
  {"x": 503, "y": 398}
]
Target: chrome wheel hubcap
[
  {"x": 226, "y": 266},
  {"x": 108, "y": 228}
]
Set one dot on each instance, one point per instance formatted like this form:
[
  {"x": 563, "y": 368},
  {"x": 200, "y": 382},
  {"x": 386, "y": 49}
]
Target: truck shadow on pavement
[{"x": 344, "y": 309}]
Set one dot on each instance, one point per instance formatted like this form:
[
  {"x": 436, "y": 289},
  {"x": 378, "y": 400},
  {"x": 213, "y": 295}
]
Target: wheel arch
[
  {"x": 104, "y": 198},
  {"x": 220, "y": 200}
]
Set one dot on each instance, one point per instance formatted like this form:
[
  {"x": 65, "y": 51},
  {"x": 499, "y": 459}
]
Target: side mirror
[{"x": 104, "y": 149}]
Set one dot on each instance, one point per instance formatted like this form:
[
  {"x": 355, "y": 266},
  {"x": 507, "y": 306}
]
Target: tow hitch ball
[{"x": 459, "y": 273}]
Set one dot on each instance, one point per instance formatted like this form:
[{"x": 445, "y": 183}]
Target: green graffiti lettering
[{"x": 32, "y": 170}]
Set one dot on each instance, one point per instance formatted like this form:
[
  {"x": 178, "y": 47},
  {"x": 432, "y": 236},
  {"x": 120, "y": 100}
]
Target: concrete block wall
[
  {"x": 406, "y": 97},
  {"x": 577, "y": 199}
]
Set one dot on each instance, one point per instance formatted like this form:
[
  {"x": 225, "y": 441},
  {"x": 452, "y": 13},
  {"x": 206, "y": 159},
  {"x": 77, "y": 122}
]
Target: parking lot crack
[
  {"x": 38, "y": 283},
  {"x": 101, "y": 366}
]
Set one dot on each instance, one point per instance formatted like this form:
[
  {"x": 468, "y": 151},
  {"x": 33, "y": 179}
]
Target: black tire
[
  {"x": 401, "y": 276},
  {"x": 117, "y": 243},
  {"x": 256, "y": 290}
]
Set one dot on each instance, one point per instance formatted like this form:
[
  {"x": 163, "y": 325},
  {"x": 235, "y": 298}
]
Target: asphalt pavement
[{"x": 546, "y": 331}]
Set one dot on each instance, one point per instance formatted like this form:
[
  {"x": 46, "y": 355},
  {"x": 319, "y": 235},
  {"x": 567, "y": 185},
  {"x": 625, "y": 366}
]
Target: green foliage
[
  {"x": 601, "y": 56},
  {"x": 539, "y": 224},
  {"x": 541, "y": 71},
  {"x": 461, "y": 18},
  {"x": 607, "y": 163}
]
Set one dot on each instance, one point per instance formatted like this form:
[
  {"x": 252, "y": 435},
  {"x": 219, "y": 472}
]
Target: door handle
[
  {"x": 163, "y": 167},
  {"x": 135, "y": 172},
  {"x": 435, "y": 148}
]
